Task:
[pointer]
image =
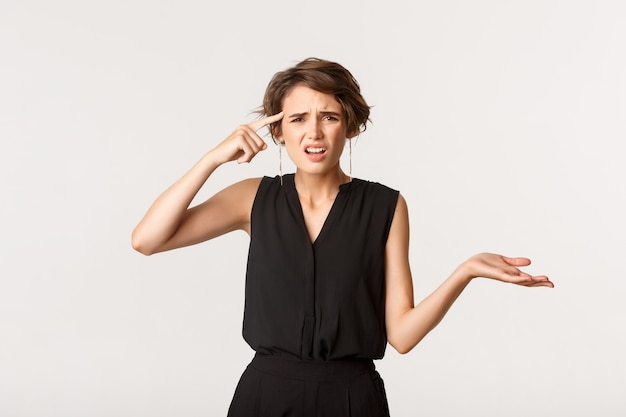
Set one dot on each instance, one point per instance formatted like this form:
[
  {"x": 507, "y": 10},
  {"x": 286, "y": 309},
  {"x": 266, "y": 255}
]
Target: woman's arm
[
  {"x": 170, "y": 223},
  {"x": 408, "y": 324}
]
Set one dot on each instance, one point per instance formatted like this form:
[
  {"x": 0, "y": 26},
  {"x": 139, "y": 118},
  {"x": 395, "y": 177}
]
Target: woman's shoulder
[
  {"x": 368, "y": 186},
  {"x": 247, "y": 185},
  {"x": 240, "y": 192}
]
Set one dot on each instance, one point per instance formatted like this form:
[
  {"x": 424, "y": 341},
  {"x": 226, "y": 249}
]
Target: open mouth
[{"x": 315, "y": 150}]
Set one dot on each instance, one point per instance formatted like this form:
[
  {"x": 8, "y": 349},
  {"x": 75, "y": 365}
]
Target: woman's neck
[{"x": 317, "y": 187}]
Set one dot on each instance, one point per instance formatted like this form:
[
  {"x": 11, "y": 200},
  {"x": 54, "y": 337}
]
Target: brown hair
[{"x": 323, "y": 76}]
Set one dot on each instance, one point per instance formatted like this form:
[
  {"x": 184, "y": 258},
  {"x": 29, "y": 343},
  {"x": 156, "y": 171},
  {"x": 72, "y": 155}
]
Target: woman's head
[{"x": 323, "y": 76}]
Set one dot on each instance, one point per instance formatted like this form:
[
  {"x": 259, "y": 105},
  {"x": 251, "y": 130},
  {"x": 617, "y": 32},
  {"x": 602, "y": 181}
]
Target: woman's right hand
[{"x": 244, "y": 143}]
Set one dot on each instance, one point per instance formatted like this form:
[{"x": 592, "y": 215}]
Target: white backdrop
[{"x": 499, "y": 121}]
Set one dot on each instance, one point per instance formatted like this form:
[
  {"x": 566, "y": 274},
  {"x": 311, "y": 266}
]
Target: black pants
[{"x": 277, "y": 387}]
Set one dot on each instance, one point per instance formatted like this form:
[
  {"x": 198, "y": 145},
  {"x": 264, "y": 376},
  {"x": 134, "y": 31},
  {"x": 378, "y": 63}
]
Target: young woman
[{"x": 328, "y": 282}]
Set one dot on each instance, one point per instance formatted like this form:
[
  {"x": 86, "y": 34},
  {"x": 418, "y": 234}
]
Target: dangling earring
[
  {"x": 280, "y": 162},
  {"x": 350, "y": 154}
]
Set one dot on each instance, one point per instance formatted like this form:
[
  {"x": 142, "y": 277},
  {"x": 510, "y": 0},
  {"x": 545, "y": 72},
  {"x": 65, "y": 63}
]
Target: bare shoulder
[
  {"x": 239, "y": 196},
  {"x": 226, "y": 211},
  {"x": 246, "y": 187},
  {"x": 233, "y": 202},
  {"x": 396, "y": 250},
  {"x": 401, "y": 215}
]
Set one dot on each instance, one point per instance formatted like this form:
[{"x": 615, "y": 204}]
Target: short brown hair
[{"x": 323, "y": 76}]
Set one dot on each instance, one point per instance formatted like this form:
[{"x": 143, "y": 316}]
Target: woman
[{"x": 328, "y": 282}]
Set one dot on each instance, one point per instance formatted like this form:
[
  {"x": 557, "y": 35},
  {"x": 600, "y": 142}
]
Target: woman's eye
[
  {"x": 297, "y": 119},
  {"x": 330, "y": 118}
]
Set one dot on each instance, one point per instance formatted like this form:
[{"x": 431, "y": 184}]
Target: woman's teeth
[{"x": 315, "y": 150}]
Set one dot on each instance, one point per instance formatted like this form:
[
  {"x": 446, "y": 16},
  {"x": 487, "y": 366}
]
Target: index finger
[
  {"x": 516, "y": 261},
  {"x": 257, "y": 124}
]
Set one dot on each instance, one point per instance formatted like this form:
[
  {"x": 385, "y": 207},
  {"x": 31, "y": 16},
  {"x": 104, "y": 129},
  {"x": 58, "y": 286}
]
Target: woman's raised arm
[{"x": 169, "y": 223}]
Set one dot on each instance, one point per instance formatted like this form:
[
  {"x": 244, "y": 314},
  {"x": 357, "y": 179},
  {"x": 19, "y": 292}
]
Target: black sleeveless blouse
[{"x": 323, "y": 300}]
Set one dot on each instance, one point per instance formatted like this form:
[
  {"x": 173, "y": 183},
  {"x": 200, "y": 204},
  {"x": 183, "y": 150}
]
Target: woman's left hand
[{"x": 502, "y": 268}]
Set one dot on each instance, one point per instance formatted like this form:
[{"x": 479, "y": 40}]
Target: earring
[
  {"x": 350, "y": 154},
  {"x": 280, "y": 162}
]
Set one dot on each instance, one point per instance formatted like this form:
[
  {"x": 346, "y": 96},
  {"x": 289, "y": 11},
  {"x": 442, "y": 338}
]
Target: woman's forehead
[{"x": 306, "y": 98}]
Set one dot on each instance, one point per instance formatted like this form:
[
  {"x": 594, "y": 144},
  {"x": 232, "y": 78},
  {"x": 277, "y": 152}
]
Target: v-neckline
[{"x": 330, "y": 216}]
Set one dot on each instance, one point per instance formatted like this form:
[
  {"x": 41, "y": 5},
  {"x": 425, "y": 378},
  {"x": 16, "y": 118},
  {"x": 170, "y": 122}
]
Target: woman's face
[{"x": 313, "y": 129}]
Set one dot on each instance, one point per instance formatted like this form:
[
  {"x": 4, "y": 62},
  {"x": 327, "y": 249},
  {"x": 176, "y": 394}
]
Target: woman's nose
[{"x": 314, "y": 129}]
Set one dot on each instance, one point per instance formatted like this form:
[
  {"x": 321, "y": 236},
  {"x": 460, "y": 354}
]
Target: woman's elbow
[
  {"x": 140, "y": 245},
  {"x": 402, "y": 349},
  {"x": 401, "y": 346}
]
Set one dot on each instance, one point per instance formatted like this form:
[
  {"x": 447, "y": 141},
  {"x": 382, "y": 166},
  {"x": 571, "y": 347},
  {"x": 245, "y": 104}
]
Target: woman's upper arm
[
  {"x": 224, "y": 212},
  {"x": 398, "y": 280}
]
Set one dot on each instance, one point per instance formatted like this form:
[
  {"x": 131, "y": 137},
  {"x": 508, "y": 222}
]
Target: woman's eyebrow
[{"x": 323, "y": 112}]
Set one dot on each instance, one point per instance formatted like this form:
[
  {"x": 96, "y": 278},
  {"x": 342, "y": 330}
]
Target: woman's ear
[
  {"x": 352, "y": 133},
  {"x": 276, "y": 131}
]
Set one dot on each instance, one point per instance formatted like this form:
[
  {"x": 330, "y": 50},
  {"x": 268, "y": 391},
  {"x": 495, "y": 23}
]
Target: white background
[{"x": 501, "y": 123}]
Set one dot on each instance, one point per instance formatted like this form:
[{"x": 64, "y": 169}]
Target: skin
[{"x": 311, "y": 121}]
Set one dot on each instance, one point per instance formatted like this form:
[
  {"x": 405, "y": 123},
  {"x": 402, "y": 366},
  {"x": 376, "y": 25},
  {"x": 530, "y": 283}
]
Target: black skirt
[{"x": 272, "y": 386}]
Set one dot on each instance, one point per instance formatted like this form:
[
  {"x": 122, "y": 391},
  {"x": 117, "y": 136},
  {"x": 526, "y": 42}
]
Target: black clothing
[
  {"x": 323, "y": 300},
  {"x": 274, "y": 386}
]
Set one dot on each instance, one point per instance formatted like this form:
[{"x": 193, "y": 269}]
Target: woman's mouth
[
  {"x": 315, "y": 150},
  {"x": 315, "y": 153}
]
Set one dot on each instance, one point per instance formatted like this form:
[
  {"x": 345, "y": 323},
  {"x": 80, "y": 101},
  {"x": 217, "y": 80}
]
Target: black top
[{"x": 323, "y": 300}]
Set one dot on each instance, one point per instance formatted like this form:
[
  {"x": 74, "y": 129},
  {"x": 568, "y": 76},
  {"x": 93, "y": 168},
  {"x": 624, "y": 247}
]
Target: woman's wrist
[
  {"x": 463, "y": 274},
  {"x": 211, "y": 160}
]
